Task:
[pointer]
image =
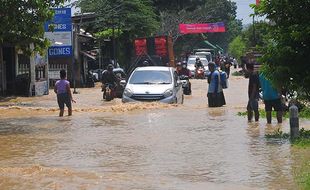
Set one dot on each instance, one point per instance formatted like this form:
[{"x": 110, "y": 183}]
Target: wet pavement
[{"x": 143, "y": 146}]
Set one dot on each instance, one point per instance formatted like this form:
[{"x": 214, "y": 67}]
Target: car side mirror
[{"x": 123, "y": 82}]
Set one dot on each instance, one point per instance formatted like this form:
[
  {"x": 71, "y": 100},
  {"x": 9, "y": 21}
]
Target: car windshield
[
  {"x": 205, "y": 55},
  {"x": 151, "y": 77}
]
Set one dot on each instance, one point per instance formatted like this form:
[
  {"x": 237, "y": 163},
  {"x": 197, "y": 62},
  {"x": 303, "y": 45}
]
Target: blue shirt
[
  {"x": 214, "y": 86},
  {"x": 269, "y": 93}
]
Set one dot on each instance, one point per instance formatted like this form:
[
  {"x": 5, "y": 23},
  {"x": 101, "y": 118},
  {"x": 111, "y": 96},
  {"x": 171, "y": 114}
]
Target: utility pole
[
  {"x": 100, "y": 62},
  {"x": 254, "y": 32},
  {"x": 113, "y": 42}
]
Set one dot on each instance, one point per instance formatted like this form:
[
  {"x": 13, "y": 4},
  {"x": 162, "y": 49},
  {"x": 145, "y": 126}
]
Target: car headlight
[
  {"x": 168, "y": 93},
  {"x": 127, "y": 92}
]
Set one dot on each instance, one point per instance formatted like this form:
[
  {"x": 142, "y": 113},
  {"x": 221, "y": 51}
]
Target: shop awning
[
  {"x": 206, "y": 42},
  {"x": 219, "y": 47},
  {"x": 88, "y": 55}
]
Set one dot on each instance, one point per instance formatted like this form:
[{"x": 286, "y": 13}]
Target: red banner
[
  {"x": 202, "y": 28},
  {"x": 161, "y": 46},
  {"x": 257, "y": 2},
  {"x": 140, "y": 47}
]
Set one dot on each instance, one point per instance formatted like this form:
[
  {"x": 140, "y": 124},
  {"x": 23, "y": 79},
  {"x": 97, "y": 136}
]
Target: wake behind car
[{"x": 154, "y": 83}]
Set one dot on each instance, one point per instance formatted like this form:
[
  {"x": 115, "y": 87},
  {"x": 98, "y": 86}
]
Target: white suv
[{"x": 154, "y": 83}]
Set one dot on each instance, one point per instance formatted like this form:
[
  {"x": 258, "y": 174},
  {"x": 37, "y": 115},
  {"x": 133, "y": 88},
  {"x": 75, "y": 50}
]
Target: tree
[
  {"x": 223, "y": 11},
  {"x": 286, "y": 59},
  {"x": 137, "y": 17},
  {"x": 122, "y": 19},
  {"x": 237, "y": 47},
  {"x": 256, "y": 35},
  {"x": 199, "y": 11},
  {"x": 22, "y": 22},
  {"x": 177, "y": 5}
]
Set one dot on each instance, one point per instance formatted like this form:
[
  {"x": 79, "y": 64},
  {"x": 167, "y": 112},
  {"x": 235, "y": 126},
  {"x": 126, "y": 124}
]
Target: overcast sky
[{"x": 243, "y": 10}]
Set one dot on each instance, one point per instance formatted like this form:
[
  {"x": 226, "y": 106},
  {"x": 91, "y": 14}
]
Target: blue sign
[
  {"x": 60, "y": 23},
  {"x": 58, "y": 27},
  {"x": 60, "y": 51}
]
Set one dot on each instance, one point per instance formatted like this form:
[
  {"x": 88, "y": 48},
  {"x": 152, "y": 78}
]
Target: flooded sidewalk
[{"x": 110, "y": 145}]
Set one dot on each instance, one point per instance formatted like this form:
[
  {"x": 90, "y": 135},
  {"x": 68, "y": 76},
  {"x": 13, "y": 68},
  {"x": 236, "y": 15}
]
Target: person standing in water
[
  {"x": 253, "y": 93},
  {"x": 215, "y": 91},
  {"x": 272, "y": 99},
  {"x": 64, "y": 95}
]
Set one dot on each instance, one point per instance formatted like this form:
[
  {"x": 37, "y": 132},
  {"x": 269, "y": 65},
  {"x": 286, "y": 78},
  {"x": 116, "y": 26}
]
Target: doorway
[{"x": 7, "y": 71}]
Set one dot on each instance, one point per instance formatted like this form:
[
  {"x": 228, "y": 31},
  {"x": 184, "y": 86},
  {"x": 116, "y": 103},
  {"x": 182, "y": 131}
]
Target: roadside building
[{"x": 22, "y": 74}]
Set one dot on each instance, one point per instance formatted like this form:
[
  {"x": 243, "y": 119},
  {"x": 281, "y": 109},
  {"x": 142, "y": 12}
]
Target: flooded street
[{"x": 143, "y": 146}]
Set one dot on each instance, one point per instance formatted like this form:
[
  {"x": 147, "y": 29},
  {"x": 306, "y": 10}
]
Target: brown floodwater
[{"x": 143, "y": 146}]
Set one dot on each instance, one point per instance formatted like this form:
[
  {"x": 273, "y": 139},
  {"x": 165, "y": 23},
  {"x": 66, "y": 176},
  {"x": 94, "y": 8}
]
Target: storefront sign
[
  {"x": 61, "y": 36},
  {"x": 202, "y": 28}
]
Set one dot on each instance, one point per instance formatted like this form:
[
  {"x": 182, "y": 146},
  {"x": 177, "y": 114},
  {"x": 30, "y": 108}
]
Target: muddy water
[{"x": 143, "y": 146}]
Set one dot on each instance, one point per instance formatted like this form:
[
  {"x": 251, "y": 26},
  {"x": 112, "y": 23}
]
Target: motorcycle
[
  {"x": 108, "y": 92},
  {"x": 185, "y": 84},
  {"x": 200, "y": 73},
  {"x": 89, "y": 80}
]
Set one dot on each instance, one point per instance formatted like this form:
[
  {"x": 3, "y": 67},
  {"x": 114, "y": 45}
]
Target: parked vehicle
[
  {"x": 90, "y": 82},
  {"x": 154, "y": 83},
  {"x": 96, "y": 74}
]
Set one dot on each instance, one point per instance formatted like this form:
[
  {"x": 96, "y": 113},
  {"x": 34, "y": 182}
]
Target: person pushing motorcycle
[{"x": 182, "y": 70}]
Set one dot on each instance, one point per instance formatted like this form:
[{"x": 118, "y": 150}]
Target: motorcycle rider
[
  {"x": 182, "y": 70},
  {"x": 198, "y": 63},
  {"x": 108, "y": 77}
]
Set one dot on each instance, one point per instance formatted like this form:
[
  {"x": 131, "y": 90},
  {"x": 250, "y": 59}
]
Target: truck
[{"x": 156, "y": 51}]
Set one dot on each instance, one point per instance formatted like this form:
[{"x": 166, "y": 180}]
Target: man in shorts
[
  {"x": 272, "y": 99},
  {"x": 253, "y": 93}
]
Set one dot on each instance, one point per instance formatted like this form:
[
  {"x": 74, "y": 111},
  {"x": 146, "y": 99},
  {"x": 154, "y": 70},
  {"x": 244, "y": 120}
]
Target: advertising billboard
[{"x": 202, "y": 28}]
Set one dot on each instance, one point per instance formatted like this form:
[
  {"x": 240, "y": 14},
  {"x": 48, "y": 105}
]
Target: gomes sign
[
  {"x": 202, "y": 28},
  {"x": 61, "y": 35}
]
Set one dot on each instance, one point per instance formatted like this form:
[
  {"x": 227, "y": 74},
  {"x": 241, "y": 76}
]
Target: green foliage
[
  {"x": 108, "y": 33},
  {"x": 177, "y": 5},
  {"x": 303, "y": 177},
  {"x": 305, "y": 113},
  {"x": 237, "y": 47},
  {"x": 237, "y": 73},
  {"x": 22, "y": 22},
  {"x": 175, "y": 12},
  {"x": 287, "y": 58},
  {"x": 256, "y": 35},
  {"x": 225, "y": 11},
  {"x": 136, "y": 17},
  {"x": 262, "y": 114},
  {"x": 303, "y": 141},
  {"x": 278, "y": 134}
]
